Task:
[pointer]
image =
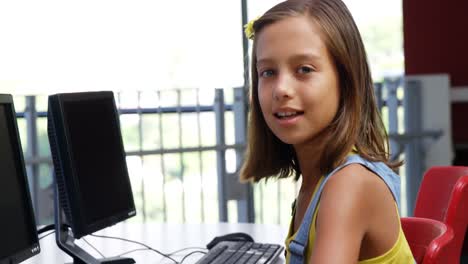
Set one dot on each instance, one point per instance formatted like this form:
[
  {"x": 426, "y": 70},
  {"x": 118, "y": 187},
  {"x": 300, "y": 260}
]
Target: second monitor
[{"x": 91, "y": 173}]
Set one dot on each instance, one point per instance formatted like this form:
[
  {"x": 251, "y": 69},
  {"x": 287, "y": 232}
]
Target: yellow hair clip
[{"x": 249, "y": 30}]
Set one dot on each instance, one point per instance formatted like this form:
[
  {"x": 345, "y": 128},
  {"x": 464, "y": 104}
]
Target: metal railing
[{"x": 186, "y": 170}]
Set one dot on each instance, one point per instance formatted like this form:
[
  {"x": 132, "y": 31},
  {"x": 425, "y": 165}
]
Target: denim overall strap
[
  {"x": 391, "y": 179},
  {"x": 298, "y": 245}
]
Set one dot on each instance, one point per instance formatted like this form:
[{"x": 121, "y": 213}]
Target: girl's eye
[
  {"x": 305, "y": 70},
  {"x": 267, "y": 73}
]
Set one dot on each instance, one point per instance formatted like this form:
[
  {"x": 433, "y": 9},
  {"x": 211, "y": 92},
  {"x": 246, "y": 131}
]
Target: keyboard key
[
  {"x": 246, "y": 246},
  {"x": 245, "y": 258},
  {"x": 265, "y": 246},
  {"x": 224, "y": 256},
  {"x": 213, "y": 253},
  {"x": 253, "y": 259},
  {"x": 236, "y": 258},
  {"x": 256, "y": 245}
]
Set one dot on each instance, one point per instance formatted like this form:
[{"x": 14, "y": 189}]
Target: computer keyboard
[{"x": 228, "y": 252}]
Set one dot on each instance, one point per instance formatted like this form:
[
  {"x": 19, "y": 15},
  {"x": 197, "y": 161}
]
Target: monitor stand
[{"x": 65, "y": 241}]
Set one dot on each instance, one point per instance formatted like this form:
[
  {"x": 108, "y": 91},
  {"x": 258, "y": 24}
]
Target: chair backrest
[
  {"x": 430, "y": 240},
  {"x": 457, "y": 214},
  {"x": 443, "y": 196}
]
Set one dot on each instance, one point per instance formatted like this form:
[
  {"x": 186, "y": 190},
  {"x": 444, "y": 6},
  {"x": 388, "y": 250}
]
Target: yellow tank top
[{"x": 400, "y": 253}]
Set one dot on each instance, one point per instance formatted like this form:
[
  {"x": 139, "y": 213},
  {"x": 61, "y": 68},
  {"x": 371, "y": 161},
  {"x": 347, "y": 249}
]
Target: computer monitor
[
  {"x": 18, "y": 235},
  {"x": 91, "y": 177}
]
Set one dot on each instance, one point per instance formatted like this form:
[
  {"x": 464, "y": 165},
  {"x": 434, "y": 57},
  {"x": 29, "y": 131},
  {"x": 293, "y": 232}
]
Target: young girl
[{"x": 313, "y": 115}]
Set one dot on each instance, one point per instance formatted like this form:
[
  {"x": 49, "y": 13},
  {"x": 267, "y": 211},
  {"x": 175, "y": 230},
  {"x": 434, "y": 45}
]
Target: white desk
[{"x": 166, "y": 238}]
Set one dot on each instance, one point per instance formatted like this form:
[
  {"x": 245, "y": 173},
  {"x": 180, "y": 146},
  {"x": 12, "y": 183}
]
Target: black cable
[
  {"x": 191, "y": 253},
  {"x": 139, "y": 243},
  {"x": 45, "y": 229},
  {"x": 46, "y": 235},
  {"x": 49, "y": 227},
  {"x": 99, "y": 252}
]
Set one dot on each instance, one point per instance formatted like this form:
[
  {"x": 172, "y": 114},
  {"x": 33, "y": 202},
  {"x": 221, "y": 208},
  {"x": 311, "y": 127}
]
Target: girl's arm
[{"x": 349, "y": 208}]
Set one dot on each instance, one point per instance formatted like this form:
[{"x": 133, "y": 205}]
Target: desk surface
[{"x": 166, "y": 238}]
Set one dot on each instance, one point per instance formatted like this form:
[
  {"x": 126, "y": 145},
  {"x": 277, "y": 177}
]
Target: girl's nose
[{"x": 282, "y": 88}]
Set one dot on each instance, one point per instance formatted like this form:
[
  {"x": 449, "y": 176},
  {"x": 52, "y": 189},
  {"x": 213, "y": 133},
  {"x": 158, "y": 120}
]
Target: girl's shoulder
[
  {"x": 353, "y": 202},
  {"x": 374, "y": 175},
  {"x": 356, "y": 179},
  {"x": 355, "y": 192}
]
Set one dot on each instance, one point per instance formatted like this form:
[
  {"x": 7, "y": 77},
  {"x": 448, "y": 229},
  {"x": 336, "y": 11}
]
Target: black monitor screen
[
  {"x": 100, "y": 167},
  {"x": 18, "y": 229},
  {"x": 91, "y": 179}
]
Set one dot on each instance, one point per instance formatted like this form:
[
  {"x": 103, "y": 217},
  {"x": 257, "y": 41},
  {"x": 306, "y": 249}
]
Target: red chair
[
  {"x": 443, "y": 196},
  {"x": 430, "y": 240}
]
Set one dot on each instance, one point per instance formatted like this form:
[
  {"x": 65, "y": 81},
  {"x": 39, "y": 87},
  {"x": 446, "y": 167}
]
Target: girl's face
[{"x": 298, "y": 85}]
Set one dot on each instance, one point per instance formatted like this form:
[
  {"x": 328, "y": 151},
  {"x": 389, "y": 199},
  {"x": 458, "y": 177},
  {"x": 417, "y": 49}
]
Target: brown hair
[{"x": 357, "y": 123}]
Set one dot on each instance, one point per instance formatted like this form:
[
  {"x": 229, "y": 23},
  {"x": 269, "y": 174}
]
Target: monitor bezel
[
  {"x": 72, "y": 196},
  {"x": 34, "y": 248}
]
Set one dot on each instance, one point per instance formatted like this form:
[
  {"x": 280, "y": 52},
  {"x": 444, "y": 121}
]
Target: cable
[
  {"x": 191, "y": 253},
  {"x": 198, "y": 249},
  {"x": 99, "y": 252},
  {"x": 187, "y": 248},
  {"x": 170, "y": 254},
  {"x": 46, "y": 235},
  {"x": 49, "y": 227},
  {"x": 52, "y": 227},
  {"x": 131, "y": 251},
  {"x": 139, "y": 243},
  {"x": 45, "y": 229}
]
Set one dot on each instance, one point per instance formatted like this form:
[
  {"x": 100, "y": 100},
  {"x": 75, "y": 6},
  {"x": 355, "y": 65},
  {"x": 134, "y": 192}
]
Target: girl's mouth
[{"x": 288, "y": 115}]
